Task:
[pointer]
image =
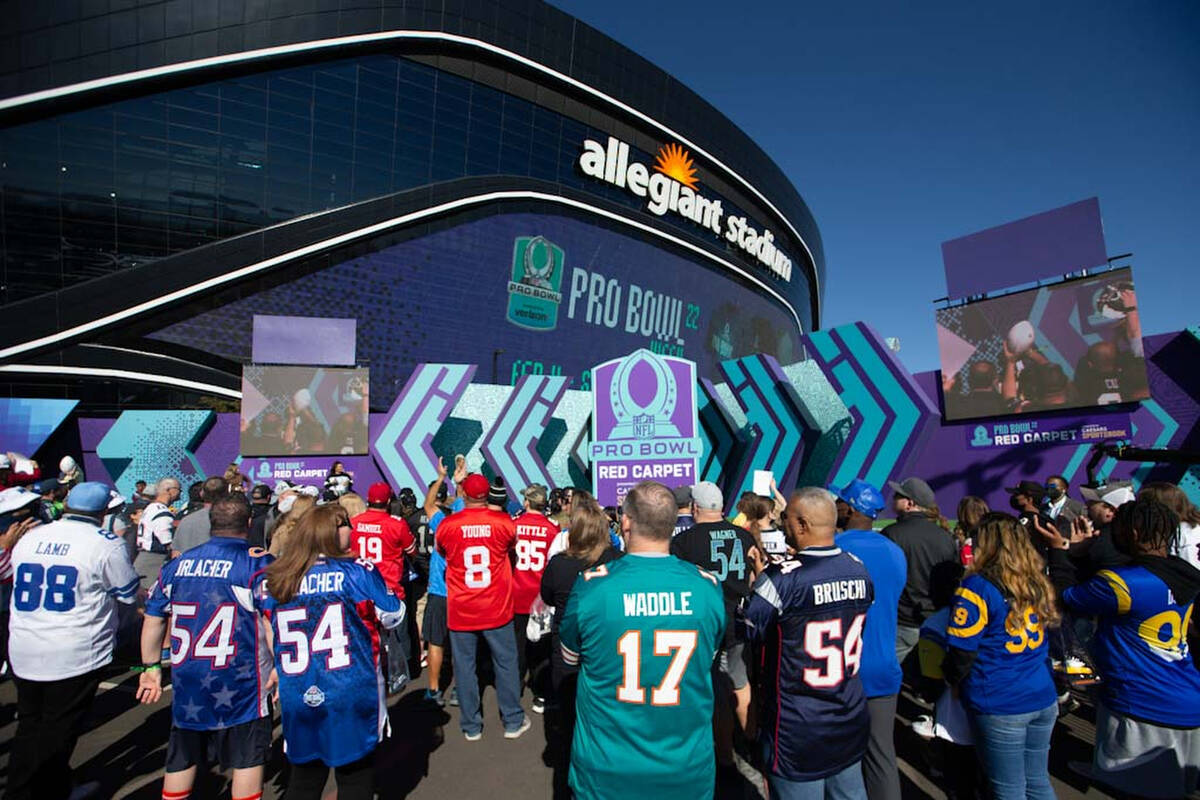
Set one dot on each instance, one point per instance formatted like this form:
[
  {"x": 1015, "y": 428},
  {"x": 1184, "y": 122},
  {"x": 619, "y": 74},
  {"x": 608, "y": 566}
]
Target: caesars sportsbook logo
[{"x": 533, "y": 288}]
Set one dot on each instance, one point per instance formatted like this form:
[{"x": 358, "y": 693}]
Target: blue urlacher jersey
[
  {"x": 1011, "y": 672},
  {"x": 1141, "y": 645},
  {"x": 327, "y": 650},
  {"x": 219, "y": 654},
  {"x": 808, "y": 614}
]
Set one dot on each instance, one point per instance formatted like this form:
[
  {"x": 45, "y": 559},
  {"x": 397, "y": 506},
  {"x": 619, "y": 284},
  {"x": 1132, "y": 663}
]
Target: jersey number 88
[{"x": 52, "y": 589}]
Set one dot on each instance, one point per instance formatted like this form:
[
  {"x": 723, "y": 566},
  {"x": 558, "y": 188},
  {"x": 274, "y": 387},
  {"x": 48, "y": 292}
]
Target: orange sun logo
[{"x": 674, "y": 162}]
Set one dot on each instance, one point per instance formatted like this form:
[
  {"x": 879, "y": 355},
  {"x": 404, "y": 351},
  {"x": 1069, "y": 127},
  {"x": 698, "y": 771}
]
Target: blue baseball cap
[
  {"x": 862, "y": 497},
  {"x": 89, "y": 497}
]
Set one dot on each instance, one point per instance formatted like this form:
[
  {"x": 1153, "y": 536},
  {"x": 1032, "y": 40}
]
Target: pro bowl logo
[
  {"x": 644, "y": 424},
  {"x": 533, "y": 289}
]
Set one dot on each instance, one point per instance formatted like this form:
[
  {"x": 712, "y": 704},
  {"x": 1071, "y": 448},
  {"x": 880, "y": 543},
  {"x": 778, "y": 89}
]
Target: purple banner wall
[{"x": 1045, "y": 245}]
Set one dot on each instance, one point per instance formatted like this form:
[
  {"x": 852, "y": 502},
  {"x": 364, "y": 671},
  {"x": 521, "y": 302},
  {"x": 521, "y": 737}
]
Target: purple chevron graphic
[
  {"x": 510, "y": 447},
  {"x": 402, "y": 448}
]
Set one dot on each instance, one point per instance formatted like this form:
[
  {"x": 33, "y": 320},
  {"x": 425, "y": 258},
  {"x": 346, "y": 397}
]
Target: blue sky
[{"x": 905, "y": 127}]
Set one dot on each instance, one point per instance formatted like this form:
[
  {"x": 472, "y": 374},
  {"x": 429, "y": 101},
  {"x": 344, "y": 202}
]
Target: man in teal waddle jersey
[{"x": 644, "y": 631}]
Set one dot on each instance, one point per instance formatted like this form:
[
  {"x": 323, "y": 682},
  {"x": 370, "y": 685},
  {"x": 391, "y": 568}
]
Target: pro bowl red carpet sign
[{"x": 644, "y": 424}]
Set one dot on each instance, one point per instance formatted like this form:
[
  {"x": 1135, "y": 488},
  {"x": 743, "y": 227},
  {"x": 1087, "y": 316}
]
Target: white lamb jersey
[{"x": 67, "y": 579}]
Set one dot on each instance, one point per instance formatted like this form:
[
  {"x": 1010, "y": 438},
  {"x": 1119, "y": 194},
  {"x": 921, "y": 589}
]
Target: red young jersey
[
  {"x": 479, "y": 583},
  {"x": 535, "y": 532},
  {"x": 383, "y": 540}
]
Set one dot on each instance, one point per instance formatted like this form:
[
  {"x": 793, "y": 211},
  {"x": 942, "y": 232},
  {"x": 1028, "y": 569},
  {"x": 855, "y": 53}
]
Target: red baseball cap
[
  {"x": 379, "y": 493},
  {"x": 475, "y": 486}
]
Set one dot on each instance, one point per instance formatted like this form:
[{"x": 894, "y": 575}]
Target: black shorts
[
  {"x": 240, "y": 747},
  {"x": 433, "y": 627}
]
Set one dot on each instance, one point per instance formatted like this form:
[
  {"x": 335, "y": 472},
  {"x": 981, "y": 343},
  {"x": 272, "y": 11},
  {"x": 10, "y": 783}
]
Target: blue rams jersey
[
  {"x": 327, "y": 658},
  {"x": 1011, "y": 672},
  {"x": 219, "y": 654},
  {"x": 808, "y": 613},
  {"x": 888, "y": 569},
  {"x": 1141, "y": 646}
]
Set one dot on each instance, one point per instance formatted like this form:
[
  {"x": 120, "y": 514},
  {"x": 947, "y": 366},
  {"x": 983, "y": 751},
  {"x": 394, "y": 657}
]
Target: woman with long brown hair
[
  {"x": 760, "y": 521},
  {"x": 970, "y": 511},
  {"x": 588, "y": 546},
  {"x": 999, "y": 660},
  {"x": 325, "y": 610}
]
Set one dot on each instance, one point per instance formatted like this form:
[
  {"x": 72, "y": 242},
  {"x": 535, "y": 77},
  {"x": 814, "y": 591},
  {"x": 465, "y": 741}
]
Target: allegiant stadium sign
[{"x": 671, "y": 186}]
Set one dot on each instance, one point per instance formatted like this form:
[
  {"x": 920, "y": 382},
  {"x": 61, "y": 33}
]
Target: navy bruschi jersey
[
  {"x": 327, "y": 658},
  {"x": 219, "y": 655},
  {"x": 1141, "y": 645},
  {"x": 808, "y": 613}
]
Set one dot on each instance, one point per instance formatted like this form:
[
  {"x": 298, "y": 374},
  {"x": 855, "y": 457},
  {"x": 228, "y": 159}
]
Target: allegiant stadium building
[{"x": 489, "y": 183}]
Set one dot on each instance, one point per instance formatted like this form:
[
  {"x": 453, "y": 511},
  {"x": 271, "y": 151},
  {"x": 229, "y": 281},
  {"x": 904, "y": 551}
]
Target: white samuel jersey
[{"x": 67, "y": 579}]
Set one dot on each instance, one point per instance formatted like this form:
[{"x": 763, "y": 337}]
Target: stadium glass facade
[{"x": 433, "y": 185}]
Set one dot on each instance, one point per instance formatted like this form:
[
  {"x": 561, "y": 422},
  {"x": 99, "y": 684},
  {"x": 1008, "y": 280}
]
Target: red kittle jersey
[
  {"x": 383, "y": 540},
  {"x": 479, "y": 583},
  {"x": 535, "y": 532}
]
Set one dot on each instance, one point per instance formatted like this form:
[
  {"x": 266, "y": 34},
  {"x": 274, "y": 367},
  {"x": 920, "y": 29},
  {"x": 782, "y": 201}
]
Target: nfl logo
[
  {"x": 643, "y": 426},
  {"x": 314, "y": 697}
]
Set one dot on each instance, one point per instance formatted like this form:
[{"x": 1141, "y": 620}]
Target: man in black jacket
[{"x": 925, "y": 544}]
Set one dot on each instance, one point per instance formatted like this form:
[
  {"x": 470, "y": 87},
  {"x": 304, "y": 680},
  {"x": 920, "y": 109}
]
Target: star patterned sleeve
[{"x": 388, "y": 607}]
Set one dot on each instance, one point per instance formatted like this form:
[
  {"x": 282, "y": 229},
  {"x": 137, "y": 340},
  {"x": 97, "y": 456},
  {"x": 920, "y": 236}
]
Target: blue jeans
[
  {"x": 503, "y": 644},
  {"x": 1015, "y": 749},
  {"x": 844, "y": 785}
]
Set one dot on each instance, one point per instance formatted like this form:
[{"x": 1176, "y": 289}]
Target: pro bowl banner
[
  {"x": 644, "y": 424},
  {"x": 1048, "y": 432}
]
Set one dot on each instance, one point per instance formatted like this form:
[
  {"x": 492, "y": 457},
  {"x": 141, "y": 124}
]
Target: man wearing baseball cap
[
  {"x": 535, "y": 532},
  {"x": 68, "y": 577},
  {"x": 385, "y": 540},
  {"x": 880, "y": 673},
  {"x": 730, "y": 553},
  {"x": 926, "y": 544},
  {"x": 476, "y": 543}
]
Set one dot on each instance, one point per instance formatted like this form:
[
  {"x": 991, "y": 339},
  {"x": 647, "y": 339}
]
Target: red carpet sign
[{"x": 644, "y": 424}]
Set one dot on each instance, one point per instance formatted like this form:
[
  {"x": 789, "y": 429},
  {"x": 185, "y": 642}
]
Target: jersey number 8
[
  {"x": 52, "y": 589},
  {"x": 478, "y": 563}
]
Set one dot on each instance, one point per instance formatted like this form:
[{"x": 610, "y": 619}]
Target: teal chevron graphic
[
  {"x": 574, "y": 411},
  {"x": 775, "y": 415},
  {"x": 473, "y": 416},
  {"x": 510, "y": 447},
  {"x": 403, "y": 449},
  {"x": 26, "y": 423},
  {"x": 149, "y": 445},
  {"x": 718, "y": 432},
  {"x": 829, "y": 416},
  {"x": 892, "y": 415}
]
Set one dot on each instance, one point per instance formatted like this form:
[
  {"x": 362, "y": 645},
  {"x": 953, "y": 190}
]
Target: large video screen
[
  {"x": 1072, "y": 345},
  {"x": 309, "y": 410},
  {"x": 518, "y": 294}
]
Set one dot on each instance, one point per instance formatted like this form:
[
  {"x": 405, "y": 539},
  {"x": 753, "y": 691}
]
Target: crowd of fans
[{"x": 663, "y": 639}]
